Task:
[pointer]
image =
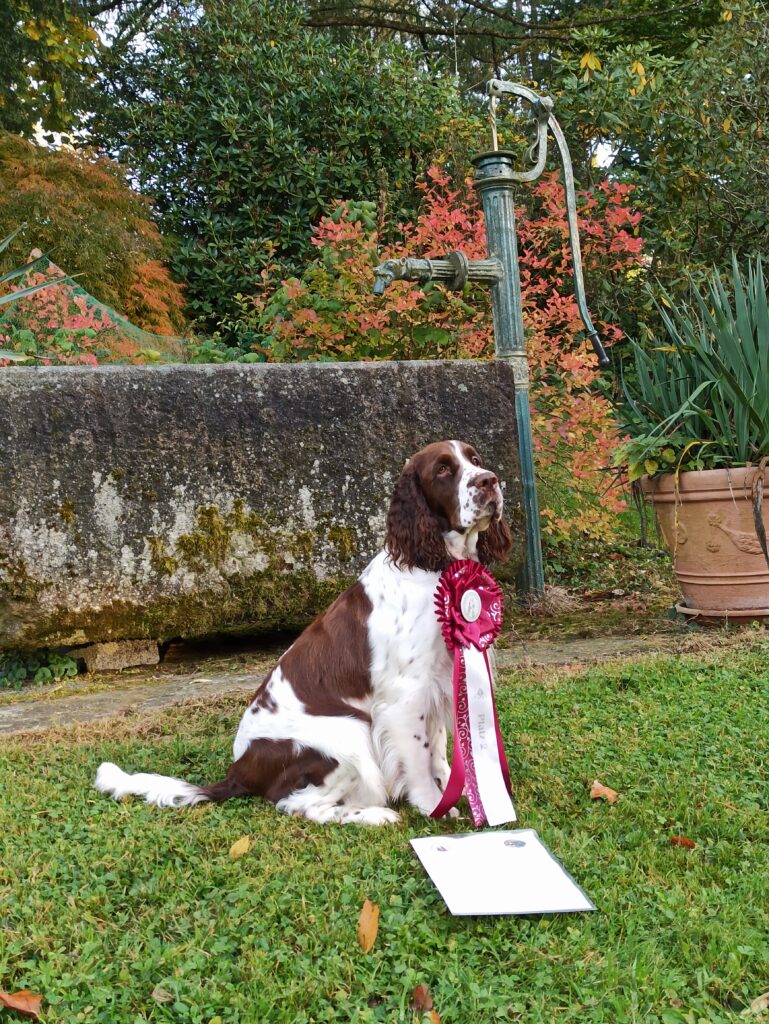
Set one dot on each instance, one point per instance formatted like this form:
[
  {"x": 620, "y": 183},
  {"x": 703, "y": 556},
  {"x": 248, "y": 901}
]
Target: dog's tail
[{"x": 162, "y": 790}]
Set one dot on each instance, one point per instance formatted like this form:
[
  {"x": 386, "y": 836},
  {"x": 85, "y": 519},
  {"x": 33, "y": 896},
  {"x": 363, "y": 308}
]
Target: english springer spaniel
[{"x": 355, "y": 712}]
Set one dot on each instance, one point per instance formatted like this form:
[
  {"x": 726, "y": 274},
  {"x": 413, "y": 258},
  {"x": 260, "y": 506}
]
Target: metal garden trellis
[{"x": 495, "y": 179}]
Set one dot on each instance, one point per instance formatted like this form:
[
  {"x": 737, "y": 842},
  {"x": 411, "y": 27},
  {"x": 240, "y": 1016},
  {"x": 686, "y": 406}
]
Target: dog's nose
[{"x": 484, "y": 481}]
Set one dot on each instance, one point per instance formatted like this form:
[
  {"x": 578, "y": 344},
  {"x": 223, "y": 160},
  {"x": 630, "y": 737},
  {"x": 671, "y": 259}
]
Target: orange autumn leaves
[
  {"x": 23, "y": 1002},
  {"x": 421, "y": 1001},
  {"x": 600, "y": 792},
  {"x": 368, "y": 926}
]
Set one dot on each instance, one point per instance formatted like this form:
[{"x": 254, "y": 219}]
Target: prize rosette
[{"x": 468, "y": 602}]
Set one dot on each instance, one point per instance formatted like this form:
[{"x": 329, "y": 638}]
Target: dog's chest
[{"x": 404, "y": 633}]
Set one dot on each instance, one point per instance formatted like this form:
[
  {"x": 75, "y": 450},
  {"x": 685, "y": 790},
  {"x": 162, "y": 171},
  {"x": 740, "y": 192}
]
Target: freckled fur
[{"x": 355, "y": 713}]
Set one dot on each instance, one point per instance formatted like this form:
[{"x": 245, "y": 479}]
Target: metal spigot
[
  {"x": 454, "y": 270},
  {"x": 541, "y": 109}
]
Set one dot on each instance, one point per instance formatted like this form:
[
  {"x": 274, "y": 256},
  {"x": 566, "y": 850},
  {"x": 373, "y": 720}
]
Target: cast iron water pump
[{"x": 495, "y": 178}]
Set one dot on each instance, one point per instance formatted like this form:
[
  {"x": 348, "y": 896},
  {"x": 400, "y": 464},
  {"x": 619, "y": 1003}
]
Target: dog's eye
[
  {"x": 443, "y": 469},
  {"x": 476, "y": 460}
]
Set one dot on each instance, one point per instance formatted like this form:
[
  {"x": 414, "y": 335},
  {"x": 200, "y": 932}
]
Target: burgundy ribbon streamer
[{"x": 480, "y": 630}]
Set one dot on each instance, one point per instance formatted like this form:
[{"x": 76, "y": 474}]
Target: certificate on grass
[{"x": 499, "y": 873}]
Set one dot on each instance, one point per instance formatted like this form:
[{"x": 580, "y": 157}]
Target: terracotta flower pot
[{"x": 707, "y": 523}]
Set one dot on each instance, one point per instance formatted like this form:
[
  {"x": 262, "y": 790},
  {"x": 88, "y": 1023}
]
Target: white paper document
[{"x": 499, "y": 873}]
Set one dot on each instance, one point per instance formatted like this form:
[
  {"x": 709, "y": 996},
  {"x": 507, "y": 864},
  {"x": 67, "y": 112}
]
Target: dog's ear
[
  {"x": 495, "y": 544},
  {"x": 414, "y": 539}
]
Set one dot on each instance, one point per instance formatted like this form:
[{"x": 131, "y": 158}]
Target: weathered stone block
[
  {"x": 115, "y": 655},
  {"x": 188, "y": 500}
]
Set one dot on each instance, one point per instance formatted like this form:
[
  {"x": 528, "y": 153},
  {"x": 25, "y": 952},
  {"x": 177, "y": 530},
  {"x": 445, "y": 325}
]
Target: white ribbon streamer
[{"x": 496, "y": 801}]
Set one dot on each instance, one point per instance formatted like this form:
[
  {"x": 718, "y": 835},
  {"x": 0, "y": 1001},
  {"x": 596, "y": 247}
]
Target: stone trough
[{"x": 186, "y": 501}]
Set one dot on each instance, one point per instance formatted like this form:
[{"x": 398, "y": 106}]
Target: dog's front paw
[
  {"x": 427, "y": 806},
  {"x": 452, "y": 812},
  {"x": 371, "y": 816}
]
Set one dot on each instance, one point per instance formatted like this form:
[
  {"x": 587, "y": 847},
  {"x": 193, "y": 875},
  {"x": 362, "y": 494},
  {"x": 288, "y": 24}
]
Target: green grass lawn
[{"x": 101, "y": 903}]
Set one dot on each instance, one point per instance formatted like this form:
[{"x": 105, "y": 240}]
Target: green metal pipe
[{"x": 495, "y": 182}]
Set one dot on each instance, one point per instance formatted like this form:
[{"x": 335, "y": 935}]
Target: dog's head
[{"x": 443, "y": 493}]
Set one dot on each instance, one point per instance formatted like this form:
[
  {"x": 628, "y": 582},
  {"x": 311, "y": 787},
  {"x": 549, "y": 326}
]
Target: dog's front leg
[
  {"x": 439, "y": 763},
  {"x": 407, "y": 743}
]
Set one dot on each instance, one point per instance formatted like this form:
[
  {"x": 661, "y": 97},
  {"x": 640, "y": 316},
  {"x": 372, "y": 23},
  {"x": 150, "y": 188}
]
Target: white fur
[
  {"x": 467, "y": 494},
  {"x": 156, "y": 789},
  {"x": 402, "y": 754}
]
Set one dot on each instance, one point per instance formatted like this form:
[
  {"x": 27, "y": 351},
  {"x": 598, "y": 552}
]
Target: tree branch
[
  {"x": 342, "y": 21},
  {"x": 557, "y": 26}
]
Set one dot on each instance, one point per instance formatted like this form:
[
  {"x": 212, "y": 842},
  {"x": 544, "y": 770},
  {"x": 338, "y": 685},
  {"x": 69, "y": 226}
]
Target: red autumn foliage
[
  {"x": 154, "y": 299},
  {"x": 79, "y": 206},
  {"x": 683, "y": 841},
  {"x": 62, "y": 324},
  {"x": 330, "y": 314}
]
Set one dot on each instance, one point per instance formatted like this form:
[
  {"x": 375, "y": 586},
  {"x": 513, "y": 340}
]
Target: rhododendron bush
[{"x": 330, "y": 314}]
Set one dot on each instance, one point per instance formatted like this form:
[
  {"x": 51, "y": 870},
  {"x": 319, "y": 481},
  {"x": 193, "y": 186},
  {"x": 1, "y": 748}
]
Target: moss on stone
[
  {"x": 16, "y": 582},
  {"x": 260, "y": 603},
  {"x": 161, "y": 559},
  {"x": 209, "y": 544},
  {"x": 345, "y": 541},
  {"x": 67, "y": 511}
]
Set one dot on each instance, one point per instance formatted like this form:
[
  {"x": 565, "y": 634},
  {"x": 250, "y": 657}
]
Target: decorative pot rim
[{"x": 733, "y": 481}]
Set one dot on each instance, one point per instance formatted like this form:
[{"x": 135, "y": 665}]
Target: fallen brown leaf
[
  {"x": 421, "y": 999},
  {"x": 240, "y": 848},
  {"x": 599, "y": 791},
  {"x": 23, "y": 1002},
  {"x": 162, "y": 995},
  {"x": 759, "y": 1005},
  {"x": 684, "y": 841},
  {"x": 368, "y": 925},
  {"x": 434, "y": 1017}
]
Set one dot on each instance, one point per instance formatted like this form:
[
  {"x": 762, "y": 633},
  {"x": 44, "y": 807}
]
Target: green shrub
[
  {"x": 18, "y": 667},
  {"x": 246, "y": 127}
]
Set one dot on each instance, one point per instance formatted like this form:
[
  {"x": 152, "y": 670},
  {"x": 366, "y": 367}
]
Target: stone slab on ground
[
  {"x": 584, "y": 651},
  {"x": 115, "y": 655},
  {"x": 38, "y": 715},
  {"x": 166, "y": 691}
]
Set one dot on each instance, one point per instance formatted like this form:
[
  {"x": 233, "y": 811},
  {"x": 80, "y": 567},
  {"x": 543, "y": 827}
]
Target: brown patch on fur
[
  {"x": 422, "y": 508},
  {"x": 331, "y": 660},
  {"x": 272, "y": 769},
  {"x": 263, "y": 700},
  {"x": 495, "y": 544}
]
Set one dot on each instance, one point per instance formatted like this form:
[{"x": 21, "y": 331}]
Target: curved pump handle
[{"x": 541, "y": 108}]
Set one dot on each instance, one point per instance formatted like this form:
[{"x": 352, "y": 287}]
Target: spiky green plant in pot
[{"x": 695, "y": 412}]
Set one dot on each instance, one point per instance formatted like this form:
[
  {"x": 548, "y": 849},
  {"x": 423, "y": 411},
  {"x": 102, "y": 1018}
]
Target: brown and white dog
[{"x": 355, "y": 712}]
